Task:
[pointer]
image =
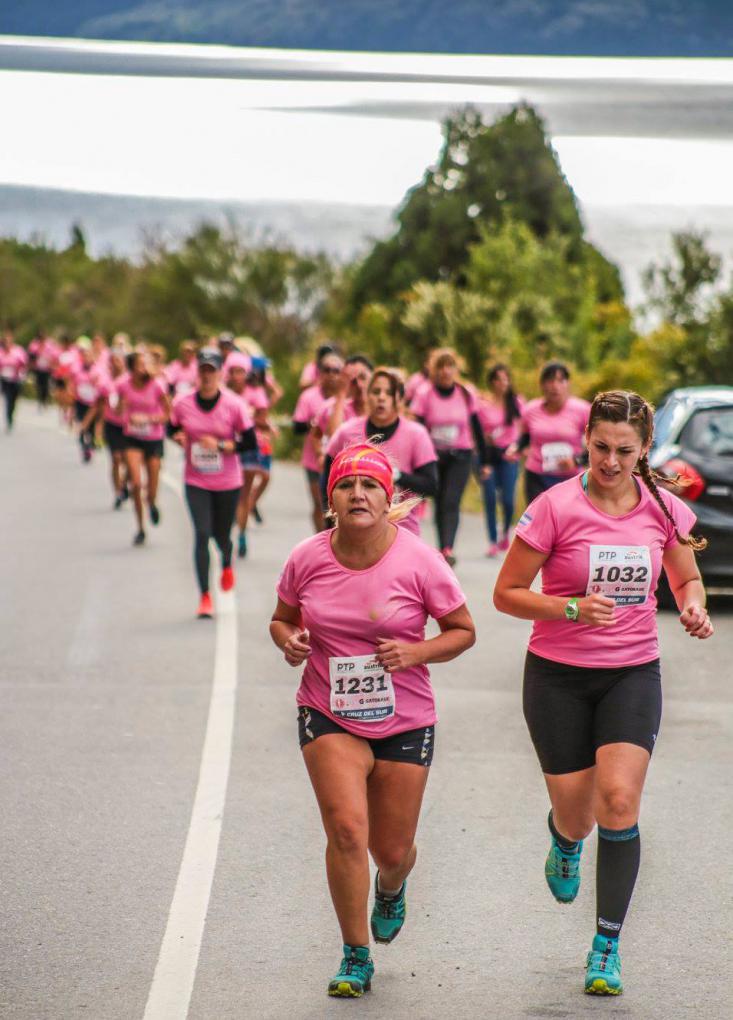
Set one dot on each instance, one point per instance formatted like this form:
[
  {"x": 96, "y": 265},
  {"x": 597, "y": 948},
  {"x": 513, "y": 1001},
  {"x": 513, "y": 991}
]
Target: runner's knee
[
  {"x": 348, "y": 835},
  {"x": 619, "y": 803}
]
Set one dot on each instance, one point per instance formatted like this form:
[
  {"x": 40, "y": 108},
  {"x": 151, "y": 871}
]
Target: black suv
[{"x": 693, "y": 436}]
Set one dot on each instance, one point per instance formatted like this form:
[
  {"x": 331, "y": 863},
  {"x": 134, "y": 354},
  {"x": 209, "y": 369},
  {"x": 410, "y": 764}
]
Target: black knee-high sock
[{"x": 619, "y": 851}]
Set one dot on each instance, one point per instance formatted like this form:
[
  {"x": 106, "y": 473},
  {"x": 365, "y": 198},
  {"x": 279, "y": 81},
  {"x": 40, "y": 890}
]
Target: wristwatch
[
  {"x": 221, "y": 446},
  {"x": 572, "y": 610}
]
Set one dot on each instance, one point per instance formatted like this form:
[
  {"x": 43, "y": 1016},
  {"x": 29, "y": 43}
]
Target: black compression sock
[
  {"x": 565, "y": 843},
  {"x": 619, "y": 851}
]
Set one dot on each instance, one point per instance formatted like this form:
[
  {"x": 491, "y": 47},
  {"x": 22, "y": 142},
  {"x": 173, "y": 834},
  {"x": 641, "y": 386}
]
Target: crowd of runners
[{"x": 353, "y": 600}]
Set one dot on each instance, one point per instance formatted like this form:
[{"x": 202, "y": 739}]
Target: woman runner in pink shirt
[
  {"x": 13, "y": 367},
  {"x": 311, "y": 403},
  {"x": 213, "y": 426},
  {"x": 106, "y": 379},
  {"x": 406, "y": 443},
  {"x": 352, "y": 605},
  {"x": 592, "y": 685},
  {"x": 499, "y": 413},
  {"x": 552, "y": 432},
  {"x": 144, "y": 408}
]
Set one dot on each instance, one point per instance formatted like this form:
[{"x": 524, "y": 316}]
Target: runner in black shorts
[
  {"x": 352, "y": 606},
  {"x": 592, "y": 689}
]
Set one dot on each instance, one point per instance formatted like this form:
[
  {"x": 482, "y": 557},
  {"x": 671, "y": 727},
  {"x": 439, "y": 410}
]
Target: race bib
[
  {"x": 8, "y": 372},
  {"x": 552, "y": 454},
  {"x": 183, "y": 387},
  {"x": 87, "y": 393},
  {"x": 444, "y": 435},
  {"x": 113, "y": 399},
  {"x": 497, "y": 433},
  {"x": 208, "y": 462},
  {"x": 140, "y": 428},
  {"x": 42, "y": 364},
  {"x": 620, "y": 572},
  {"x": 360, "y": 689}
]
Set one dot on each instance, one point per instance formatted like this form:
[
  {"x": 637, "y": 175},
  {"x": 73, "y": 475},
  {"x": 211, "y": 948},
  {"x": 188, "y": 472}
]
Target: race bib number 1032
[{"x": 620, "y": 572}]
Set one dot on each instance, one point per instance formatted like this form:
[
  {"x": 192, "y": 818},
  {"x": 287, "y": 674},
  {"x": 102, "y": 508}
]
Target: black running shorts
[
  {"x": 571, "y": 711},
  {"x": 114, "y": 437},
  {"x": 150, "y": 448},
  {"x": 413, "y": 746}
]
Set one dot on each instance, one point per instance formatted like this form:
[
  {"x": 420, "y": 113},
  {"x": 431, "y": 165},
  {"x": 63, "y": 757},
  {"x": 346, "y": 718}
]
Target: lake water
[{"x": 322, "y": 146}]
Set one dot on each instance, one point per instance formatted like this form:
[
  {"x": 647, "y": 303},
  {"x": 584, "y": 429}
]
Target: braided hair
[{"x": 629, "y": 407}]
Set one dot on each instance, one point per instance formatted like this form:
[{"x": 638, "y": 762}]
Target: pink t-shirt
[
  {"x": 346, "y": 611},
  {"x": 448, "y": 419},
  {"x": 554, "y": 436},
  {"x": 45, "y": 352},
  {"x": 591, "y": 551},
  {"x": 325, "y": 414},
  {"x": 140, "y": 406},
  {"x": 492, "y": 416},
  {"x": 13, "y": 363},
  {"x": 86, "y": 387},
  {"x": 414, "y": 384},
  {"x": 211, "y": 469},
  {"x": 67, "y": 362},
  {"x": 107, "y": 389},
  {"x": 310, "y": 404},
  {"x": 409, "y": 448},
  {"x": 256, "y": 397},
  {"x": 181, "y": 378}
]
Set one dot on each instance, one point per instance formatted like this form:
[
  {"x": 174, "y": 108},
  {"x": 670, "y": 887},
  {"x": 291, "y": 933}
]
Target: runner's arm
[
  {"x": 457, "y": 633},
  {"x": 423, "y": 481}
]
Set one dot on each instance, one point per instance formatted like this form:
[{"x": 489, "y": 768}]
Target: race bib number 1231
[{"x": 360, "y": 689}]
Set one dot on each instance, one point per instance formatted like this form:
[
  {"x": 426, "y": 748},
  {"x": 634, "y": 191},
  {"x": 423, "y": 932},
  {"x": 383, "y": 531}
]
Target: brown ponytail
[{"x": 625, "y": 406}]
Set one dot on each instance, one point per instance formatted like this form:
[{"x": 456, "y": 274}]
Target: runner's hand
[
  {"x": 485, "y": 471},
  {"x": 566, "y": 464},
  {"x": 597, "y": 611},
  {"x": 396, "y": 655},
  {"x": 179, "y": 437},
  {"x": 696, "y": 621},
  {"x": 297, "y": 648}
]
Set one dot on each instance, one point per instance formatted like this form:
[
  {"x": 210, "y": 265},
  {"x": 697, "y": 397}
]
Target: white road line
[{"x": 175, "y": 972}]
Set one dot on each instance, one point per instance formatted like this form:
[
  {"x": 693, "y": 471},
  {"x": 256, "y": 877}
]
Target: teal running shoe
[
  {"x": 355, "y": 973},
  {"x": 603, "y": 968},
  {"x": 388, "y": 914},
  {"x": 562, "y": 871},
  {"x": 242, "y": 545}
]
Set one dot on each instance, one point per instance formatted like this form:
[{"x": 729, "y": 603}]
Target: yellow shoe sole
[
  {"x": 344, "y": 990},
  {"x": 601, "y": 987}
]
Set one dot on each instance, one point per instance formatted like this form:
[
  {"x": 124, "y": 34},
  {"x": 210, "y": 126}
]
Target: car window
[
  {"x": 710, "y": 432},
  {"x": 667, "y": 421}
]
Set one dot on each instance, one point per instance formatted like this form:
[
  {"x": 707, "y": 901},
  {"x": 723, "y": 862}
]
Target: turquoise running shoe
[
  {"x": 388, "y": 914},
  {"x": 603, "y": 968},
  {"x": 562, "y": 871},
  {"x": 355, "y": 973}
]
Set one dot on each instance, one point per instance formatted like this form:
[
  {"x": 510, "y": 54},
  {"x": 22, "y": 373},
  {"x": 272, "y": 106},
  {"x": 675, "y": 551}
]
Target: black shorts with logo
[
  {"x": 415, "y": 747},
  {"x": 571, "y": 711}
]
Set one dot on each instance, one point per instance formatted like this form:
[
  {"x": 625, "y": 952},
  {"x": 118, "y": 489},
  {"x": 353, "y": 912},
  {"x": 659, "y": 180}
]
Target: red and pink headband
[{"x": 365, "y": 460}]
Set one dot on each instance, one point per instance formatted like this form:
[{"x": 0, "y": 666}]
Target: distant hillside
[{"x": 592, "y": 27}]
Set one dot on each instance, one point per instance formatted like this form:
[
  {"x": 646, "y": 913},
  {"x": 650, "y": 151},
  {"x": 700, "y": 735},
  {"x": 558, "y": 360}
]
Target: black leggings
[
  {"x": 43, "y": 380},
  {"x": 454, "y": 469},
  {"x": 10, "y": 392},
  {"x": 212, "y": 514},
  {"x": 86, "y": 436}
]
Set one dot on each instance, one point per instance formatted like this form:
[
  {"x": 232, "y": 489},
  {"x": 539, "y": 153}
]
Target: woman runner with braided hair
[{"x": 592, "y": 685}]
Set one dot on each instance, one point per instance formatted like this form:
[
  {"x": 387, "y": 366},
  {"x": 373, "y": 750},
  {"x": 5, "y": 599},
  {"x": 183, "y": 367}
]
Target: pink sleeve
[
  {"x": 418, "y": 403},
  {"x": 441, "y": 590},
  {"x": 682, "y": 515},
  {"x": 471, "y": 402},
  {"x": 174, "y": 411},
  {"x": 302, "y": 410},
  {"x": 424, "y": 449},
  {"x": 537, "y": 525},
  {"x": 337, "y": 442},
  {"x": 322, "y": 419},
  {"x": 245, "y": 422},
  {"x": 286, "y": 584}
]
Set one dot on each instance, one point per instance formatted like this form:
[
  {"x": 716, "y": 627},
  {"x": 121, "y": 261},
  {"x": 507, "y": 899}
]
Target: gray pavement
[{"x": 105, "y": 680}]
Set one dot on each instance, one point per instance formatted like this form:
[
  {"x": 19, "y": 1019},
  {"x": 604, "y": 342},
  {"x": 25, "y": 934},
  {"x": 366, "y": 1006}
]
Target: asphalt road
[{"x": 107, "y": 684}]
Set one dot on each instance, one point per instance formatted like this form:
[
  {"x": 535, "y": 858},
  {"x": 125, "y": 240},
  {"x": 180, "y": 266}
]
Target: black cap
[{"x": 210, "y": 356}]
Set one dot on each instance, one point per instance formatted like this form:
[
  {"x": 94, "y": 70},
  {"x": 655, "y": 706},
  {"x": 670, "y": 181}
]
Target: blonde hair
[{"x": 443, "y": 356}]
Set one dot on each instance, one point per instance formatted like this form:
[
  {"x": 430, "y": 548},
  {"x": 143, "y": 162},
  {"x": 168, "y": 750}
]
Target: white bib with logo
[
  {"x": 552, "y": 454},
  {"x": 444, "y": 435},
  {"x": 8, "y": 372},
  {"x": 208, "y": 462},
  {"x": 620, "y": 572},
  {"x": 140, "y": 428},
  {"x": 87, "y": 393},
  {"x": 360, "y": 689}
]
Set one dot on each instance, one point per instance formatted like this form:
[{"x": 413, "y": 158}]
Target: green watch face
[{"x": 572, "y": 610}]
